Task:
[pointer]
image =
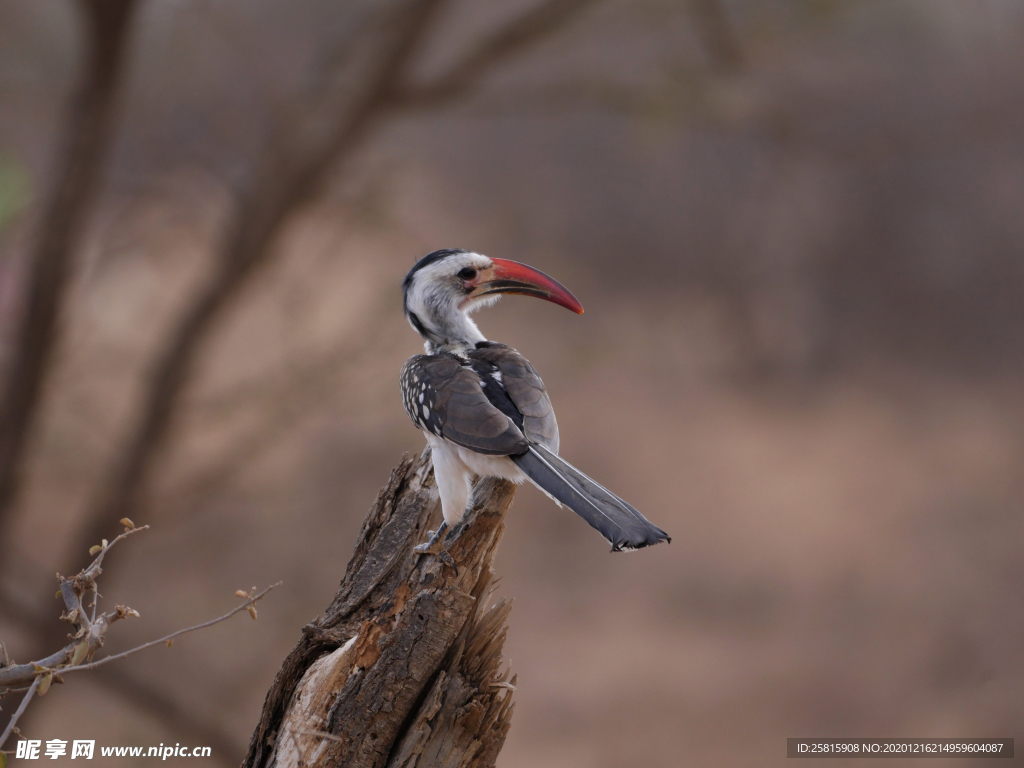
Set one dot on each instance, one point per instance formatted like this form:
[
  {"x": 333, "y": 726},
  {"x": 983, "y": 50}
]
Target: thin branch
[
  {"x": 94, "y": 568},
  {"x": 12, "y": 724},
  {"x": 91, "y": 635},
  {"x": 164, "y": 640},
  {"x": 141, "y": 695},
  {"x": 22, "y": 673},
  {"x": 89, "y": 631}
]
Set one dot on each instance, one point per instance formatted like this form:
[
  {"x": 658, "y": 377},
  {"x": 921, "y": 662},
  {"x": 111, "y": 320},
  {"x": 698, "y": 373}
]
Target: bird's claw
[
  {"x": 437, "y": 549},
  {"x": 435, "y": 545},
  {"x": 425, "y": 547},
  {"x": 445, "y": 558}
]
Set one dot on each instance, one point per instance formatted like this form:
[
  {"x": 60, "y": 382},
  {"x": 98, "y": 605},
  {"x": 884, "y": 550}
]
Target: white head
[{"x": 445, "y": 286}]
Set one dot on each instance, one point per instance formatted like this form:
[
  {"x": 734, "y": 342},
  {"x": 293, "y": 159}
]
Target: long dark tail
[{"x": 620, "y": 523}]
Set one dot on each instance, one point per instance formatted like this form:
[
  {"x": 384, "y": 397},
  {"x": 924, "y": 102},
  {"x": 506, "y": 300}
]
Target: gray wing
[
  {"x": 446, "y": 398},
  {"x": 525, "y": 389}
]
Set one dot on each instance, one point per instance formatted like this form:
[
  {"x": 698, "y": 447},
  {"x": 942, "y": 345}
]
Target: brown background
[{"x": 798, "y": 240}]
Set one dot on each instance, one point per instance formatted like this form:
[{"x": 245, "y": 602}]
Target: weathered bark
[{"x": 404, "y": 667}]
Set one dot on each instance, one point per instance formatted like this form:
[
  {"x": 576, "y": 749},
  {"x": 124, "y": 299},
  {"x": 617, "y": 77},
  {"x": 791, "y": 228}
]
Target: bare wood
[{"x": 404, "y": 667}]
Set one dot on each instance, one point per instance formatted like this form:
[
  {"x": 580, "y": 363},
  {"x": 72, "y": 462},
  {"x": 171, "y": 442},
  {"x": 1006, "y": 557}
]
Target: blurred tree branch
[
  {"x": 86, "y": 137},
  {"x": 285, "y": 182}
]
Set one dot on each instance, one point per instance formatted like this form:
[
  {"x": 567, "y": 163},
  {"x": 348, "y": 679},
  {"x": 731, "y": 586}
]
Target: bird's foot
[
  {"x": 436, "y": 545},
  {"x": 431, "y": 546}
]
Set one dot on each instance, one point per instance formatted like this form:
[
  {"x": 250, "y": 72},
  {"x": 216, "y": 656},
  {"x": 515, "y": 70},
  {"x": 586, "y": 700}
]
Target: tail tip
[{"x": 631, "y": 547}]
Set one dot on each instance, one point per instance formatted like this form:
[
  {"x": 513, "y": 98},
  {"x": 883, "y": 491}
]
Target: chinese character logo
[
  {"x": 28, "y": 749},
  {"x": 82, "y": 749},
  {"x": 56, "y": 748}
]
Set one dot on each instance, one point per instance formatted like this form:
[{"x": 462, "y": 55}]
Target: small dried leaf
[
  {"x": 3, "y": 760},
  {"x": 58, "y": 593},
  {"x": 37, "y": 668},
  {"x": 127, "y": 523},
  {"x": 80, "y": 650},
  {"x": 169, "y": 643},
  {"x": 132, "y": 612},
  {"x": 238, "y": 593},
  {"x": 44, "y": 685},
  {"x": 95, "y": 549},
  {"x": 252, "y": 611},
  {"x": 104, "y": 543}
]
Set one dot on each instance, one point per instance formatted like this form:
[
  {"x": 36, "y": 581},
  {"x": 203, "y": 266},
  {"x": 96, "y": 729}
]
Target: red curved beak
[{"x": 512, "y": 277}]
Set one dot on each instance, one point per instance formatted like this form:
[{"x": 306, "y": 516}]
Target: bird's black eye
[{"x": 467, "y": 273}]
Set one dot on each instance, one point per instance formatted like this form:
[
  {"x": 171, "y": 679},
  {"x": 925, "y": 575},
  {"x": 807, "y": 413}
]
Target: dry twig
[
  {"x": 91, "y": 633},
  {"x": 136, "y": 692},
  {"x": 12, "y": 724}
]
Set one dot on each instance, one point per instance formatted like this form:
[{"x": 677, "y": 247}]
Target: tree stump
[{"x": 404, "y": 669}]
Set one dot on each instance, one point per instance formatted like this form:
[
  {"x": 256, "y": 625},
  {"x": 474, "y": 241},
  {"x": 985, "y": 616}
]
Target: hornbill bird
[{"x": 482, "y": 406}]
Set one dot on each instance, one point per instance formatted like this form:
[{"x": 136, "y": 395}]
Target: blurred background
[{"x": 796, "y": 227}]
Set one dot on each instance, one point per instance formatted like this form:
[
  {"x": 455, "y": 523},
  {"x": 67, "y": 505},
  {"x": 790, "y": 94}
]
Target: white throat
[
  {"x": 444, "y": 326},
  {"x": 456, "y": 334}
]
